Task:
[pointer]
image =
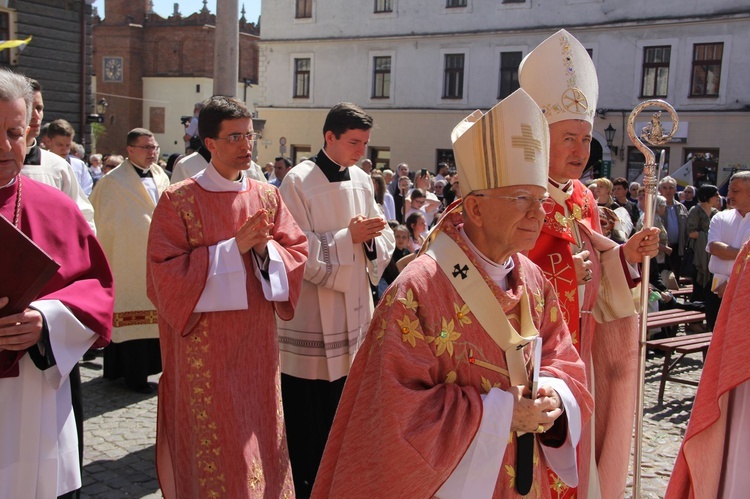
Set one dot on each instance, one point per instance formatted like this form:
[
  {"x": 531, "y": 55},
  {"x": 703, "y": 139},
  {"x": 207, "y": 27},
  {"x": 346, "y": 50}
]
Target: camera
[{"x": 185, "y": 120}]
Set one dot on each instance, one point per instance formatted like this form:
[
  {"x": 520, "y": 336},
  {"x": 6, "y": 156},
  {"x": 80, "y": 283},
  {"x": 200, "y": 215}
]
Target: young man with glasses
[
  {"x": 124, "y": 201},
  {"x": 224, "y": 257}
]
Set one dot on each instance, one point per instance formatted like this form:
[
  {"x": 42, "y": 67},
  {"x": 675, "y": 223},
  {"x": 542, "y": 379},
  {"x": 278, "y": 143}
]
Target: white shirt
[{"x": 731, "y": 228}]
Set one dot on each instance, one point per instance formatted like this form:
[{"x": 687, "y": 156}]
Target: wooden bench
[
  {"x": 682, "y": 345},
  {"x": 684, "y": 292},
  {"x": 673, "y": 317}
]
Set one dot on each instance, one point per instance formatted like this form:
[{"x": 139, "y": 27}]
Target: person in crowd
[
  {"x": 713, "y": 460},
  {"x": 350, "y": 245},
  {"x": 593, "y": 276},
  {"x": 58, "y": 139},
  {"x": 620, "y": 194},
  {"x": 366, "y": 166},
  {"x": 633, "y": 192},
  {"x": 423, "y": 181},
  {"x": 110, "y": 162},
  {"x": 124, "y": 202},
  {"x": 728, "y": 230},
  {"x": 698, "y": 222},
  {"x": 417, "y": 226},
  {"x": 442, "y": 171},
  {"x": 383, "y": 198},
  {"x": 605, "y": 193},
  {"x": 388, "y": 176},
  {"x": 224, "y": 257},
  {"x": 689, "y": 199},
  {"x": 441, "y": 401},
  {"x": 95, "y": 167},
  {"x": 402, "y": 170},
  {"x": 281, "y": 167},
  {"x": 48, "y": 168},
  {"x": 192, "y": 135},
  {"x": 594, "y": 188},
  {"x": 399, "y": 199},
  {"x": 40, "y": 345},
  {"x": 674, "y": 223},
  {"x": 401, "y": 234},
  {"x": 610, "y": 223}
]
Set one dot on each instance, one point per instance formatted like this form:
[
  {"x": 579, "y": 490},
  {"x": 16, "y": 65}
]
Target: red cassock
[
  {"x": 412, "y": 403},
  {"x": 83, "y": 283},
  {"x": 698, "y": 469},
  {"x": 220, "y": 430}
]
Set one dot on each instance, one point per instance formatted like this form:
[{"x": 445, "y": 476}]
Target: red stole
[{"x": 553, "y": 254}]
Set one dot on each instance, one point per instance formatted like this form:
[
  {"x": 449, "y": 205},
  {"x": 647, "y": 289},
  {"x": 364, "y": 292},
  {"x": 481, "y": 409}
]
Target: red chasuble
[
  {"x": 609, "y": 350},
  {"x": 698, "y": 469},
  {"x": 220, "y": 430},
  {"x": 83, "y": 283},
  {"x": 412, "y": 403}
]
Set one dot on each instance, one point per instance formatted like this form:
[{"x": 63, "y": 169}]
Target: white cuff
[
  {"x": 276, "y": 288},
  {"x": 68, "y": 337},
  {"x": 226, "y": 280},
  {"x": 476, "y": 474}
]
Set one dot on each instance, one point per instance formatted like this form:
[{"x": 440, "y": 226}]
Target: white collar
[
  {"x": 211, "y": 180},
  {"x": 497, "y": 272}
]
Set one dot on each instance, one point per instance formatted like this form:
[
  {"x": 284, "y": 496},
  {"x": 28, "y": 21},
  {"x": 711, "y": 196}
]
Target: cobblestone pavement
[{"x": 120, "y": 430}]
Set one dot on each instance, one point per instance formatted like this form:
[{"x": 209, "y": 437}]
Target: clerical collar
[
  {"x": 333, "y": 171},
  {"x": 33, "y": 155},
  {"x": 211, "y": 180},
  {"x": 563, "y": 187},
  {"x": 497, "y": 272},
  {"x": 143, "y": 173}
]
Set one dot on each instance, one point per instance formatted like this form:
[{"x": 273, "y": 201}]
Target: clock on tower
[{"x": 113, "y": 69}]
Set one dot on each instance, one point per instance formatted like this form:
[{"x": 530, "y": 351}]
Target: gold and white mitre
[
  {"x": 561, "y": 78},
  {"x": 507, "y": 146}
]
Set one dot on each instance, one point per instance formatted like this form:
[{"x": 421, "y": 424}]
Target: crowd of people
[{"x": 329, "y": 329}]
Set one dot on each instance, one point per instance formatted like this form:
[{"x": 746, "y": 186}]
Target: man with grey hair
[
  {"x": 675, "y": 222},
  {"x": 729, "y": 229},
  {"x": 41, "y": 342},
  {"x": 191, "y": 137}
]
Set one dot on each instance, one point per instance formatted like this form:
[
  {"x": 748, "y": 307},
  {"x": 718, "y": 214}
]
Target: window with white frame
[
  {"x": 453, "y": 76},
  {"x": 706, "y": 72},
  {"x": 302, "y": 78},
  {"x": 509, "y": 62},
  {"x": 383, "y": 6},
  {"x": 655, "y": 76},
  {"x": 381, "y": 77},
  {"x": 303, "y": 9}
]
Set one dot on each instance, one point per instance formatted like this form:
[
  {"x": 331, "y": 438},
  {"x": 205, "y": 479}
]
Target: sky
[{"x": 186, "y": 7}]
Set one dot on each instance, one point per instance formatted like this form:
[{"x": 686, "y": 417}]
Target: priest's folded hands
[
  {"x": 255, "y": 234},
  {"x": 19, "y": 331},
  {"x": 363, "y": 229},
  {"x": 533, "y": 415}
]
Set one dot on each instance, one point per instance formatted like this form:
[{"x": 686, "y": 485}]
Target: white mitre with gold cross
[
  {"x": 560, "y": 76},
  {"x": 507, "y": 146}
]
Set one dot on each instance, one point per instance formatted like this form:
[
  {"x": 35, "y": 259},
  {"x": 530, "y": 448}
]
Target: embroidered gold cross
[{"x": 527, "y": 141}]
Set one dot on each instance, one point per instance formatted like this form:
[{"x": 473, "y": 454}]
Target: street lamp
[
  {"x": 609, "y": 133},
  {"x": 101, "y": 110}
]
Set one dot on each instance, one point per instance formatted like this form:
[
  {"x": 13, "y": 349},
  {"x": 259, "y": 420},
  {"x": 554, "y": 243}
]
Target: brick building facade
[{"x": 131, "y": 43}]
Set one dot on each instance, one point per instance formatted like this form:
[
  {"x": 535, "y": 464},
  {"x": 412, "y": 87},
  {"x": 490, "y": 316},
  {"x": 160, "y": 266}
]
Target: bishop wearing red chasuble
[
  {"x": 468, "y": 384},
  {"x": 714, "y": 458},
  {"x": 592, "y": 276},
  {"x": 224, "y": 256},
  {"x": 42, "y": 345}
]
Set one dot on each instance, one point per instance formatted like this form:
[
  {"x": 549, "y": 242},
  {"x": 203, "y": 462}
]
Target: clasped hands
[
  {"x": 22, "y": 331},
  {"x": 255, "y": 234},
  {"x": 363, "y": 229},
  {"x": 535, "y": 415}
]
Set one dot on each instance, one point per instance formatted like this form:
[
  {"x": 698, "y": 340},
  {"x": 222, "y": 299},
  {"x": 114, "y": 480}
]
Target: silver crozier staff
[{"x": 652, "y": 133}]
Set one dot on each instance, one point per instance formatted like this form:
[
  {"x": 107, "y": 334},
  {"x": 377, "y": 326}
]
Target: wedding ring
[{"x": 540, "y": 428}]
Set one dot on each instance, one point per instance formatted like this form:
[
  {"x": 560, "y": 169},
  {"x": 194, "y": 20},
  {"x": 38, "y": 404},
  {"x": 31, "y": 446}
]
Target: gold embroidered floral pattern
[
  {"x": 409, "y": 330},
  {"x": 451, "y": 378},
  {"x": 487, "y": 385},
  {"x": 256, "y": 482},
  {"x": 381, "y": 332},
  {"x": 511, "y": 472},
  {"x": 462, "y": 314},
  {"x": 445, "y": 338},
  {"x": 270, "y": 203},
  {"x": 553, "y": 314},
  {"x": 389, "y": 299},
  {"x": 409, "y": 302}
]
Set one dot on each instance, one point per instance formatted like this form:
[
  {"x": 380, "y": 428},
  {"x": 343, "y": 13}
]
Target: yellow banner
[{"x": 11, "y": 44}]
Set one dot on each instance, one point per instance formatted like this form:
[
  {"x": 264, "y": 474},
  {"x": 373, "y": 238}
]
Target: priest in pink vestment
[
  {"x": 467, "y": 384},
  {"x": 592, "y": 276},
  {"x": 40, "y": 347},
  {"x": 224, "y": 255},
  {"x": 714, "y": 459}
]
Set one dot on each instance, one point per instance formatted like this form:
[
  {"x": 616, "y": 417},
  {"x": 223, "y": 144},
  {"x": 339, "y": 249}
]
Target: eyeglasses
[
  {"x": 147, "y": 148},
  {"x": 524, "y": 203},
  {"x": 237, "y": 137}
]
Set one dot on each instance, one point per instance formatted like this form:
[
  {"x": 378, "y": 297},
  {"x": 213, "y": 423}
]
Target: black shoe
[
  {"x": 145, "y": 389},
  {"x": 89, "y": 355}
]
